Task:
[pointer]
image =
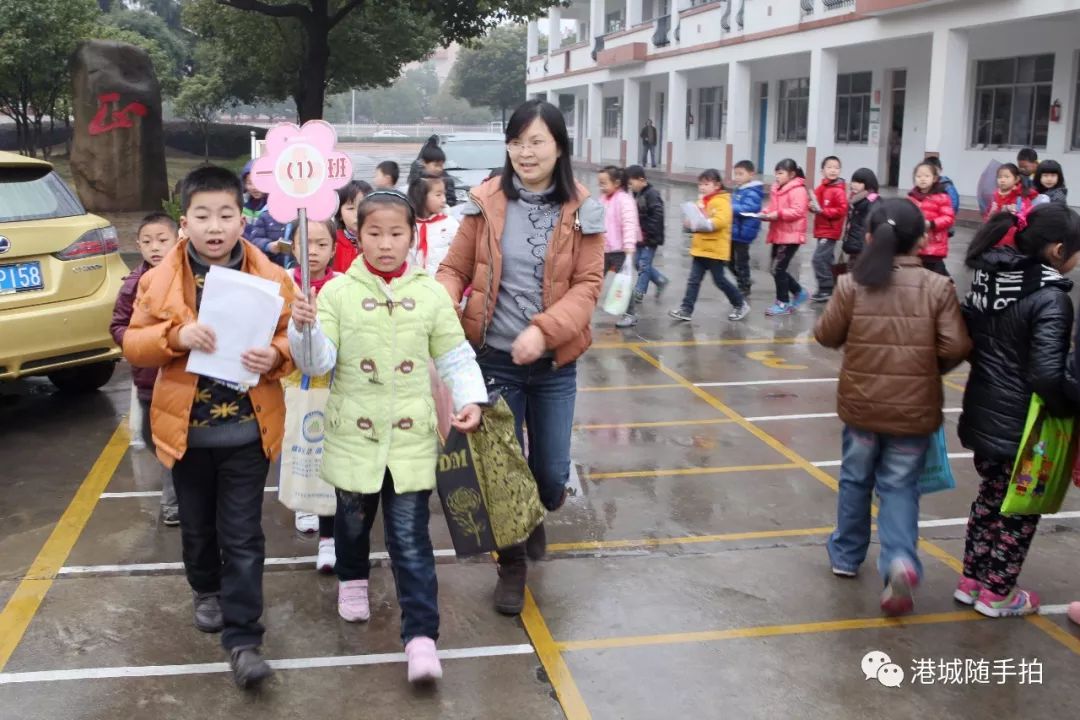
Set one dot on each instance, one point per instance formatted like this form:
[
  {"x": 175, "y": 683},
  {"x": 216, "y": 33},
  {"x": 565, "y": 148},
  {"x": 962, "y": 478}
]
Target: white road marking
[
  {"x": 156, "y": 493},
  {"x": 130, "y": 568},
  {"x": 745, "y": 383},
  {"x": 836, "y": 463},
  {"x": 814, "y": 416},
  {"x": 103, "y": 673}
]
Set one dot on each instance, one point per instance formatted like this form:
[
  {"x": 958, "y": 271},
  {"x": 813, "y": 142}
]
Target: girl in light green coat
[{"x": 376, "y": 327}]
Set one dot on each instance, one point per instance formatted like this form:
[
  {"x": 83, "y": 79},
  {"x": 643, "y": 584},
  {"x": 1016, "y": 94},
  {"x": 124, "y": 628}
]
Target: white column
[
  {"x": 676, "y": 122},
  {"x": 596, "y": 20},
  {"x": 739, "y": 107},
  {"x": 633, "y": 13},
  {"x": 596, "y": 122},
  {"x": 553, "y": 97},
  {"x": 821, "y": 119},
  {"x": 946, "y": 100},
  {"x": 554, "y": 28},
  {"x": 631, "y": 120},
  {"x": 532, "y": 42}
]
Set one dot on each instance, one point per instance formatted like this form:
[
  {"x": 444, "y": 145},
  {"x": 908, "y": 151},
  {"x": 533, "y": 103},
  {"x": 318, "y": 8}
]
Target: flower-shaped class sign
[{"x": 301, "y": 169}]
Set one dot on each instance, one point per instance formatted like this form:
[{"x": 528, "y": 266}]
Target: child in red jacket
[
  {"x": 829, "y": 210},
  {"x": 347, "y": 247},
  {"x": 937, "y": 208},
  {"x": 1011, "y": 196}
]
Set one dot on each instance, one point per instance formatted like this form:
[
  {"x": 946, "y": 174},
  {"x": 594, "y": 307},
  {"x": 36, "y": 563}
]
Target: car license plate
[{"x": 21, "y": 277}]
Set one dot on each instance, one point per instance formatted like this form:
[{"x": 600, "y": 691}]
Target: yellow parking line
[
  {"x": 738, "y": 419},
  {"x": 622, "y": 388},
  {"x": 661, "y": 424},
  {"x": 685, "y": 540},
  {"x": 674, "y": 472},
  {"x": 950, "y": 384},
  {"x": 730, "y": 342},
  {"x": 24, "y": 603},
  {"x": 767, "y": 631},
  {"x": 554, "y": 664}
]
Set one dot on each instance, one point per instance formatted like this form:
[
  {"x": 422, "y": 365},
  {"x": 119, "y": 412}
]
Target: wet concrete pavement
[{"x": 687, "y": 576}]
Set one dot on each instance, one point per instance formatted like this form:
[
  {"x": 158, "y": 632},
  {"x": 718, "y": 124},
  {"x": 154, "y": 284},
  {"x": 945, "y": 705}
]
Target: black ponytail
[
  {"x": 1044, "y": 225},
  {"x": 789, "y": 165},
  {"x": 896, "y": 226}
]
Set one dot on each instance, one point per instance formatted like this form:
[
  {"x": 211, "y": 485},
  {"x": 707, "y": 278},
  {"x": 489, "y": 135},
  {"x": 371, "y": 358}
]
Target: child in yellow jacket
[{"x": 711, "y": 248}]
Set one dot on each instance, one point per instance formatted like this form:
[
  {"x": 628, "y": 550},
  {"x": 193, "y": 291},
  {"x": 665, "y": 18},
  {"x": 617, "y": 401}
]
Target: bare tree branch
[
  {"x": 345, "y": 10},
  {"x": 295, "y": 10}
]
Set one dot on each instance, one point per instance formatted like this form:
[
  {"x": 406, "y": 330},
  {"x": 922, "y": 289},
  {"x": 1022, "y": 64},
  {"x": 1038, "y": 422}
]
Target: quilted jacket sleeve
[{"x": 1051, "y": 315}]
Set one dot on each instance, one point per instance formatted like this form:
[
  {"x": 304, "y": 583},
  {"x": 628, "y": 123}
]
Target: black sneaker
[
  {"x": 207, "y": 607},
  {"x": 510, "y": 589},
  {"x": 821, "y": 297},
  {"x": 248, "y": 666},
  {"x": 536, "y": 545}
]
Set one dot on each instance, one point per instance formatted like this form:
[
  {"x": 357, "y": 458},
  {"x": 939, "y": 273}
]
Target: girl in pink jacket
[
  {"x": 788, "y": 205},
  {"x": 620, "y": 218}
]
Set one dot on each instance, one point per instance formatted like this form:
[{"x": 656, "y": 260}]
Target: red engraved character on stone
[{"x": 101, "y": 123}]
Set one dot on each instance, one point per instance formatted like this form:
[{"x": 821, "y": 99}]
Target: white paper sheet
[
  {"x": 691, "y": 212},
  {"x": 243, "y": 311}
]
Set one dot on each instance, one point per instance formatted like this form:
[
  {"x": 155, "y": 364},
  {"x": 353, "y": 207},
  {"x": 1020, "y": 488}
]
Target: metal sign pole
[{"x": 305, "y": 269}]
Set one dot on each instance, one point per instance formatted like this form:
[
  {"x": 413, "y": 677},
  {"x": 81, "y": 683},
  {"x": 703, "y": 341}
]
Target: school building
[{"x": 881, "y": 83}]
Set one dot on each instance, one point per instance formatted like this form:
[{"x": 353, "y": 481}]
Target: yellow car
[{"x": 60, "y": 272}]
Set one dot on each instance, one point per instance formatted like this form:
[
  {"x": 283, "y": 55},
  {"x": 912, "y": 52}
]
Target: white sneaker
[
  {"x": 327, "y": 556},
  {"x": 307, "y": 523}
]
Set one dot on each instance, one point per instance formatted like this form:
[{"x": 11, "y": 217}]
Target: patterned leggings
[{"x": 996, "y": 544}]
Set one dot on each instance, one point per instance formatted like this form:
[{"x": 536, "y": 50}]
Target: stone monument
[{"x": 118, "y": 148}]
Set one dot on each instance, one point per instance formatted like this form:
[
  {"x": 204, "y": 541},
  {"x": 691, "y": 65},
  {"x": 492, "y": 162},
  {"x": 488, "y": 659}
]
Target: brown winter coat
[
  {"x": 164, "y": 304},
  {"x": 897, "y": 342},
  {"x": 573, "y": 272}
]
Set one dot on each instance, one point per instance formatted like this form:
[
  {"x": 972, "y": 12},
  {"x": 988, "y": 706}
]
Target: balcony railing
[
  {"x": 598, "y": 46},
  {"x": 838, "y": 4},
  {"x": 663, "y": 31},
  {"x": 725, "y": 19},
  {"x": 806, "y": 8},
  {"x": 739, "y": 15}
]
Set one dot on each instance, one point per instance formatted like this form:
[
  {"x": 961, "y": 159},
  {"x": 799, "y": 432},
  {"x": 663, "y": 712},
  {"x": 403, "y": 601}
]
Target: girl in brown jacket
[
  {"x": 531, "y": 245},
  {"x": 901, "y": 327}
]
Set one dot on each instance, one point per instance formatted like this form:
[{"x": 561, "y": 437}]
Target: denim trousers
[
  {"x": 891, "y": 465},
  {"x": 646, "y": 272},
  {"x": 698, "y": 269},
  {"x": 542, "y": 398},
  {"x": 220, "y": 493},
  {"x": 408, "y": 541}
]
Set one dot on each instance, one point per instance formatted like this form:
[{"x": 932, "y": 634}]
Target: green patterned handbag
[{"x": 488, "y": 493}]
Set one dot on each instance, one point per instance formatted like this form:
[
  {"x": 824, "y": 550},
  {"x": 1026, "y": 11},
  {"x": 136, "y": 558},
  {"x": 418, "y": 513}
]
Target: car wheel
[{"x": 83, "y": 379}]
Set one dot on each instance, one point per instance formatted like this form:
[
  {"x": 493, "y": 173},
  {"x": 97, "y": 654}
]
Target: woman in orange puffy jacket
[{"x": 937, "y": 208}]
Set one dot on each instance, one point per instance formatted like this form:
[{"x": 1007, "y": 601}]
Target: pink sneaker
[
  {"x": 897, "y": 598},
  {"x": 424, "y": 666},
  {"x": 1074, "y": 612},
  {"x": 1015, "y": 604},
  {"x": 967, "y": 591},
  {"x": 352, "y": 601}
]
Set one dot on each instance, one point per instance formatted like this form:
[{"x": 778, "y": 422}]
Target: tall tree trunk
[
  {"x": 206, "y": 143},
  {"x": 311, "y": 92}
]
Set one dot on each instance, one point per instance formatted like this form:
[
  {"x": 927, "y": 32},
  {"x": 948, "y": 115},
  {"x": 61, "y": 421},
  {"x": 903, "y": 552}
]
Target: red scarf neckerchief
[
  {"x": 422, "y": 246},
  {"x": 316, "y": 285},
  {"x": 387, "y": 276}
]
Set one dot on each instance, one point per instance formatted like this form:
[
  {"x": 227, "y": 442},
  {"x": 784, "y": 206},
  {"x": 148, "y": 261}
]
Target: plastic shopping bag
[
  {"x": 300, "y": 486},
  {"x": 617, "y": 300},
  {"x": 489, "y": 495},
  {"x": 937, "y": 473},
  {"x": 1044, "y": 463}
]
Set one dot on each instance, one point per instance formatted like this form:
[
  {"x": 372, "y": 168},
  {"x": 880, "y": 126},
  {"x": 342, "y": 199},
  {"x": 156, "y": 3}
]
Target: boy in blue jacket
[{"x": 747, "y": 197}]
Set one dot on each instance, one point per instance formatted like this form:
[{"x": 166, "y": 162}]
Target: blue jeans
[
  {"x": 405, "y": 522},
  {"x": 891, "y": 465},
  {"x": 698, "y": 269},
  {"x": 646, "y": 272},
  {"x": 542, "y": 399}
]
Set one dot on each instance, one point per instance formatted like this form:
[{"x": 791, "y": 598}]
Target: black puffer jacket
[
  {"x": 650, "y": 208},
  {"x": 1019, "y": 316},
  {"x": 858, "y": 221}
]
